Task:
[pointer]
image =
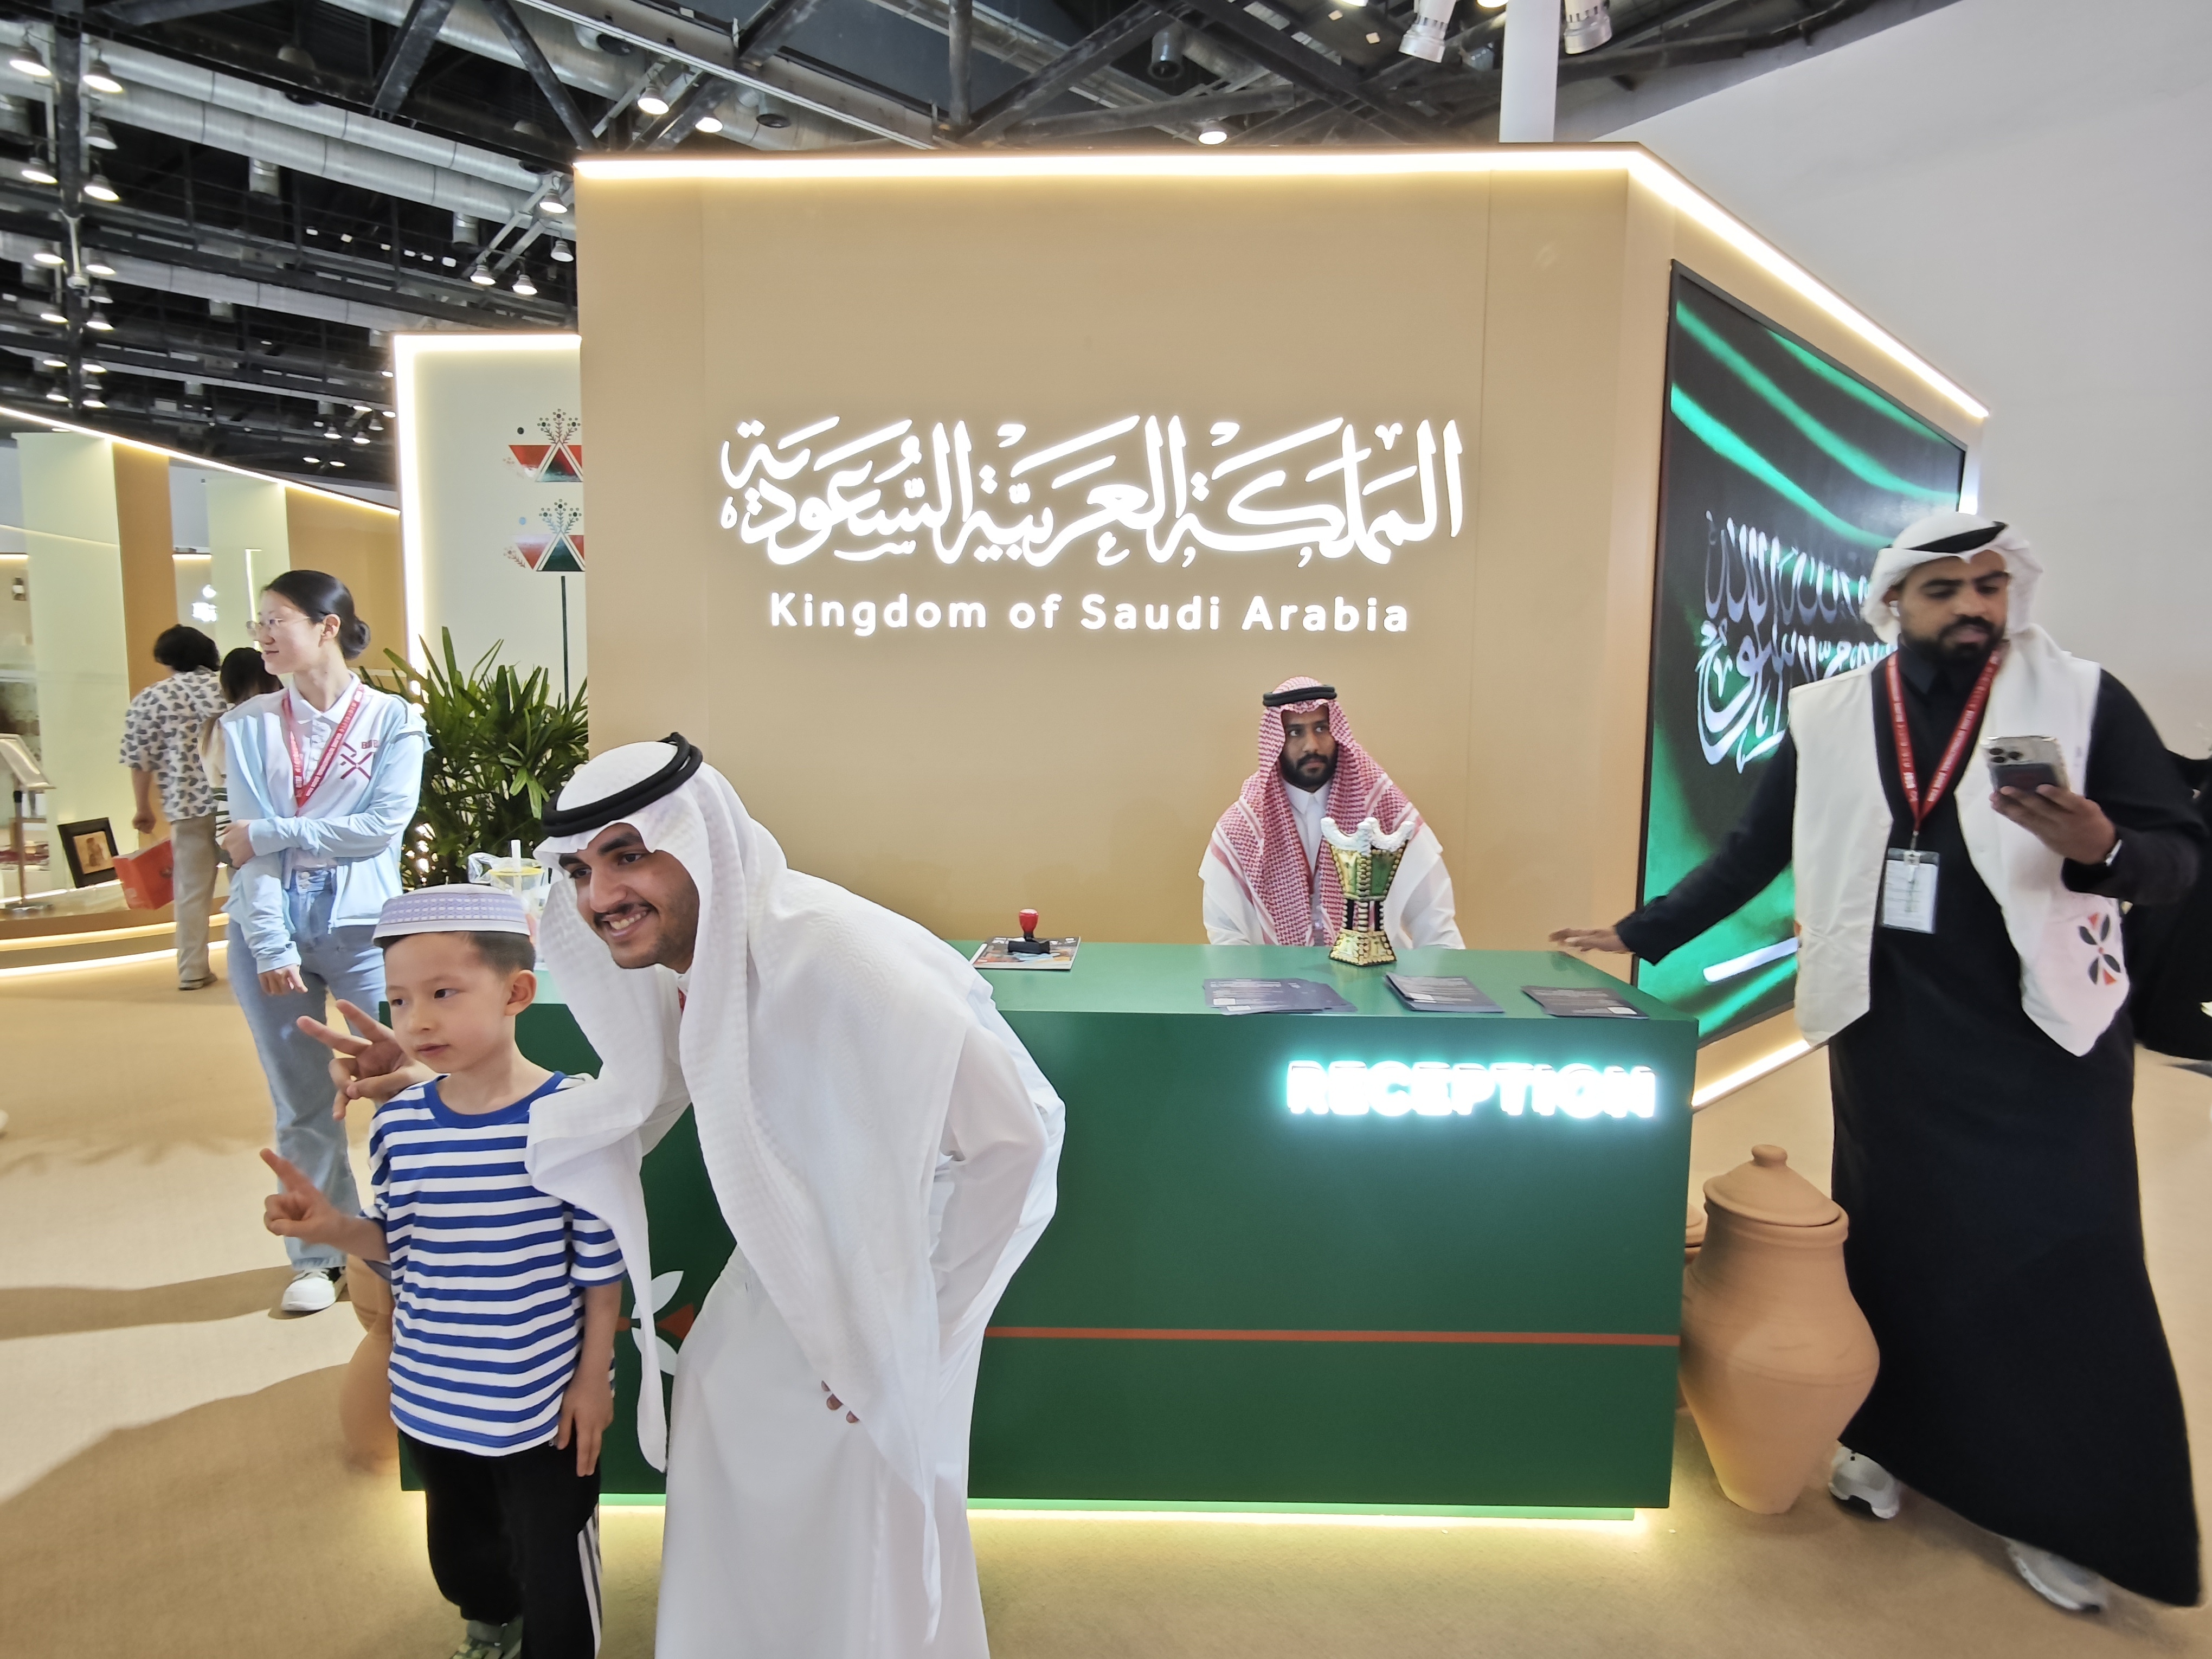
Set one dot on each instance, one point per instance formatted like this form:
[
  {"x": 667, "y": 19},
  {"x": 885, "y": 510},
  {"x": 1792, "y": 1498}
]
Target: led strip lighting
[
  {"x": 406, "y": 348},
  {"x": 1639, "y": 163},
  {"x": 1758, "y": 1068},
  {"x": 9, "y": 412}
]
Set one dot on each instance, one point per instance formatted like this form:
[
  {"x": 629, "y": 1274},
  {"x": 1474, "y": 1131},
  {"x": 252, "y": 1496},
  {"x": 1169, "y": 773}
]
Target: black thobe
[{"x": 1996, "y": 1239}]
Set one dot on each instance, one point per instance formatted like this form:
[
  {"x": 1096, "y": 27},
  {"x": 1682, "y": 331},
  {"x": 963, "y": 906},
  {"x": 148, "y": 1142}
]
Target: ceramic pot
[
  {"x": 365, "y": 1392},
  {"x": 1775, "y": 1356}
]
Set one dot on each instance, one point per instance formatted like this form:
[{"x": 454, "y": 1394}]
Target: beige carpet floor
[{"x": 170, "y": 1481}]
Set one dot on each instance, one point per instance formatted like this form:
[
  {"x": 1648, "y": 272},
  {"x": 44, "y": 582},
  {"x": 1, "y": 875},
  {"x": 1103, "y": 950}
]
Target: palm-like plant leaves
[{"x": 500, "y": 743}]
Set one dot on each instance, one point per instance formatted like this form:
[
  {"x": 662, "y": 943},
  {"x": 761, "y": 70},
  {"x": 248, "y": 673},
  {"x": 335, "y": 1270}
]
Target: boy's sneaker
[
  {"x": 1860, "y": 1480},
  {"x": 313, "y": 1291},
  {"x": 2058, "y": 1581},
  {"x": 486, "y": 1641}
]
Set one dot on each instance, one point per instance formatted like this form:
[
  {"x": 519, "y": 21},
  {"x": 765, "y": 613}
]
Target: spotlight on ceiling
[
  {"x": 654, "y": 99},
  {"x": 47, "y": 257},
  {"x": 709, "y": 124},
  {"x": 100, "y": 190},
  {"x": 53, "y": 363},
  {"x": 1586, "y": 26},
  {"x": 1426, "y": 38},
  {"x": 27, "y": 61},
  {"x": 97, "y": 135},
  {"x": 1213, "y": 133},
  {"x": 95, "y": 264},
  {"x": 562, "y": 255},
  {"x": 524, "y": 286},
  {"x": 99, "y": 325},
  {"x": 57, "y": 397},
  {"x": 773, "y": 119},
  {"x": 50, "y": 315},
  {"x": 337, "y": 464},
  {"x": 100, "y": 78},
  {"x": 39, "y": 172},
  {"x": 553, "y": 205},
  {"x": 481, "y": 276},
  {"x": 93, "y": 400},
  {"x": 101, "y": 296},
  {"x": 360, "y": 437},
  {"x": 1167, "y": 56}
]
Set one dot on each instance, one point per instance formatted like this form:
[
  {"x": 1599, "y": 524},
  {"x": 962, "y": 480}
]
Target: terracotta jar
[
  {"x": 365, "y": 1392},
  {"x": 1775, "y": 1356}
]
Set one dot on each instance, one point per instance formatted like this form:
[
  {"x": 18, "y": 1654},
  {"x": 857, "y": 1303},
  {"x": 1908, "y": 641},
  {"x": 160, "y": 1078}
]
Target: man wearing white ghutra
[
  {"x": 1961, "y": 959},
  {"x": 884, "y": 1152}
]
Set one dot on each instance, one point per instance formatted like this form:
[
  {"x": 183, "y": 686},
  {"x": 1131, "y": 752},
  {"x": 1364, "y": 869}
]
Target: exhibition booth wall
[{"x": 1433, "y": 392}]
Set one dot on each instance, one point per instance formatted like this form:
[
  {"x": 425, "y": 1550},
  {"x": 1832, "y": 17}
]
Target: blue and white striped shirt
[{"x": 486, "y": 1271}]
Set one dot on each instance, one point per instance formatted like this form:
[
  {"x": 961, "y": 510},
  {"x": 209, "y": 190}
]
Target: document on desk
[
  {"x": 1441, "y": 994},
  {"x": 1580, "y": 1002},
  {"x": 1274, "y": 996}
]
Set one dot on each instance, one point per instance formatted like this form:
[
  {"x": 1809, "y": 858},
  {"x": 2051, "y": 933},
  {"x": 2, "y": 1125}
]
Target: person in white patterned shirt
[{"x": 162, "y": 743}]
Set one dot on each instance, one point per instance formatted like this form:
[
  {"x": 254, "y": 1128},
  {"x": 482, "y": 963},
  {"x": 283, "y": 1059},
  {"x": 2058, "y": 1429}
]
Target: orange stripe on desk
[{"x": 1566, "y": 1339}]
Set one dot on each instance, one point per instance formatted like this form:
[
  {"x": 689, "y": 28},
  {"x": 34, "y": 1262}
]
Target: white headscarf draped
[
  {"x": 1942, "y": 536},
  {"x": 822, "y": 1036}
]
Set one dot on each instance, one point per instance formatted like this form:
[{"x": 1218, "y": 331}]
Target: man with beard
[
  {"x": 884, "y": 1152},
  {"x": 1961, "y": 958},
  {"x": 1265, "y": 880}
]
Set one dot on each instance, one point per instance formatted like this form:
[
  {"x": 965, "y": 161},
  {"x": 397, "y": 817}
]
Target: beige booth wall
[
  {"x": 359, "y": 544},
  {"x": 955, "y": 778}
]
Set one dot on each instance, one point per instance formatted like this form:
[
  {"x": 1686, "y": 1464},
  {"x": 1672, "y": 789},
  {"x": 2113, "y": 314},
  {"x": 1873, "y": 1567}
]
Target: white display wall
[{"x": 492, "y": 494}]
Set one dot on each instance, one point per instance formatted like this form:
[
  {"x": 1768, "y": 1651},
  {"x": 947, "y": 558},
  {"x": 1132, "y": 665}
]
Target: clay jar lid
[{"x": 1768, "y": 1189}]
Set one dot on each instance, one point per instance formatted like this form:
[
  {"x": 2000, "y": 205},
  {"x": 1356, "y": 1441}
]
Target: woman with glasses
[{"x": 324, "y": 778}]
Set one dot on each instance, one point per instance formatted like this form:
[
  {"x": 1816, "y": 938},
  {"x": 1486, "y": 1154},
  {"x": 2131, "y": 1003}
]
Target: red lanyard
[
  {"x": 304, "y": 788},
  {"x": 1907, "y": 773}
]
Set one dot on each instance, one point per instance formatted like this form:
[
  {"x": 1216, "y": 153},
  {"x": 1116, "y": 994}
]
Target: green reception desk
[{"x": 1377, "y": 1259}]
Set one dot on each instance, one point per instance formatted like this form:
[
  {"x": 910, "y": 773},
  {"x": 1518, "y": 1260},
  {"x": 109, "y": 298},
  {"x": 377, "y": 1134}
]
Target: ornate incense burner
[{"x": 1366, "y": 864}]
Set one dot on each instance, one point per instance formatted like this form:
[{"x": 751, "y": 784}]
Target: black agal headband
[
  {"x": 1298, "y": 694},
  {"x": 1965, "y": 541},
  {"x": 597, "y": 815}
]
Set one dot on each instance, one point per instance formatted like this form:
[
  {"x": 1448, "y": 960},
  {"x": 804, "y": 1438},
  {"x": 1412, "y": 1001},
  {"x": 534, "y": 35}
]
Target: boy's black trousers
[{"x": 516, "y": 1534}]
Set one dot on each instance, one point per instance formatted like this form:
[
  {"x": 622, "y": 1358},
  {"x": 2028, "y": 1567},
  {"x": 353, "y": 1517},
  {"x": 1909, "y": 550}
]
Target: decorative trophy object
[
  {"x": 1029, "y": 945},
  {"x": 1366, "y": 861}
]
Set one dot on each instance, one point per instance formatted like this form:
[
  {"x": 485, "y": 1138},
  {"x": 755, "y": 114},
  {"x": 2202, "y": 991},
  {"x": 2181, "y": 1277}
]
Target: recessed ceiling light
[
  {"x": 100, "y": 78},
  {"x": 39, "y": 172},
  {"x": 27, "y": 61}
]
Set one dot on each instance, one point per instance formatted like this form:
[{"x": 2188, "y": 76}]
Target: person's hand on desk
[{"x": 1589, "y": 938}]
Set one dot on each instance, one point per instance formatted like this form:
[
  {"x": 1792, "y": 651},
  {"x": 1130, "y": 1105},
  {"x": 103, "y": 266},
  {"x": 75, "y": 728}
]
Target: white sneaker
[
  {"x": 1856, "y": 1479},
  {"x": 313, "y": 1291},
  {"x": 2058, "y": 1581}
]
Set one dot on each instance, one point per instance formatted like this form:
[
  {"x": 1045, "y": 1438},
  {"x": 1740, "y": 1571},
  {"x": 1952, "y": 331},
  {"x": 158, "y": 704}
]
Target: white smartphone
[{"x": 2025, "y": 764}]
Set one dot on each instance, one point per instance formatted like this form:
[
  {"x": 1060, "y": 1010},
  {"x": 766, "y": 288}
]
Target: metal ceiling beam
[
  {"x": 697, "y": 102},
  {"x": 409, "y": 51},
  {"x": 763, "y": 38},
  {"x": 138, "y": 14},
  {"x": 959, "y": 49},
  {"x": 1101, "y": 45},
  {"x": 534, "y": 60},
  {"x": 1302, "y": 65},
  {"x": 1173, "y": 112}
]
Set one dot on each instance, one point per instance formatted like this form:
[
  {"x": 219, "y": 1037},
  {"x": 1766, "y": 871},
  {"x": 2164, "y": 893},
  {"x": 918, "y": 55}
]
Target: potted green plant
[{"x": 500, "y": 742}]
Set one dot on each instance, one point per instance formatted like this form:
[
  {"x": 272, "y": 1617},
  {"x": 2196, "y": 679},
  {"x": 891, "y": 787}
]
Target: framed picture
[{"x": 89, "y": 845}]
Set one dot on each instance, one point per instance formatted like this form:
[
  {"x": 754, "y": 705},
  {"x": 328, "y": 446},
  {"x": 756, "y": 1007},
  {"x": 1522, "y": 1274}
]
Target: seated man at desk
[{"x": 1266, "y": 879}]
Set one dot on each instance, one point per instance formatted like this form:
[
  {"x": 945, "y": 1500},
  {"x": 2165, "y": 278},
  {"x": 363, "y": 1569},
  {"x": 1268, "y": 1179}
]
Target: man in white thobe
[
  {"x": 1265, "y": 880},
  {"x": 884, "y": 1152}
]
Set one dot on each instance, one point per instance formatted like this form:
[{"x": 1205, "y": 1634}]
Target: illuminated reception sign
[
  {"x": 1139, "y": 491},
  {"x": 1393, "y": 1088}
]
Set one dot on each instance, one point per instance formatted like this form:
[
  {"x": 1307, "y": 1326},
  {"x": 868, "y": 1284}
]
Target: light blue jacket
[{"x": 364, "y": 842}]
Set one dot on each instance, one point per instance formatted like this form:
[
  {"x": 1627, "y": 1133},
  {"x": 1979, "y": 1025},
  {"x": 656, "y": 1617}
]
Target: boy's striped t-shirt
[{"x": 487, "y": 1273}]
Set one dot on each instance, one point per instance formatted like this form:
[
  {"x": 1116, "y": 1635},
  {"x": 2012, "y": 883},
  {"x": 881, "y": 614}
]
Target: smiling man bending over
[{"x": 884, "y": 1153}]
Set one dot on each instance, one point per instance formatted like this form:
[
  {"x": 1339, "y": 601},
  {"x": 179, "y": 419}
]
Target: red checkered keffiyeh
[{"x": 1257, "y": 839}]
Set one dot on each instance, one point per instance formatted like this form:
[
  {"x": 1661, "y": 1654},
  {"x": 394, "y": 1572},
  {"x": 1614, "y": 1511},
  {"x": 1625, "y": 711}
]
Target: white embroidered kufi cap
[
  {"x": 458, "y": 907},
  {"x": 1950, "y": 536}
]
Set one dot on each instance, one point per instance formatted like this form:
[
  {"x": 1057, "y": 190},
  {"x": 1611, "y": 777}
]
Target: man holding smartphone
[{"x": 1961, "y": 956}]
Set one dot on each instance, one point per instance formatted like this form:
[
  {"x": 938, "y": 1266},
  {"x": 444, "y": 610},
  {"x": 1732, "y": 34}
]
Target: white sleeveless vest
[{"x": 2072, "y": 981}]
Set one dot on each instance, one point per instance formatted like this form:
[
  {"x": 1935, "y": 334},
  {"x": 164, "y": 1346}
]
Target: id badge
[{"x": 1908, "y": 890}]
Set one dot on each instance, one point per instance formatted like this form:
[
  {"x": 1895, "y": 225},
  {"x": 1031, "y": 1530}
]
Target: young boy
[{"x": 505, "y": 1299}]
